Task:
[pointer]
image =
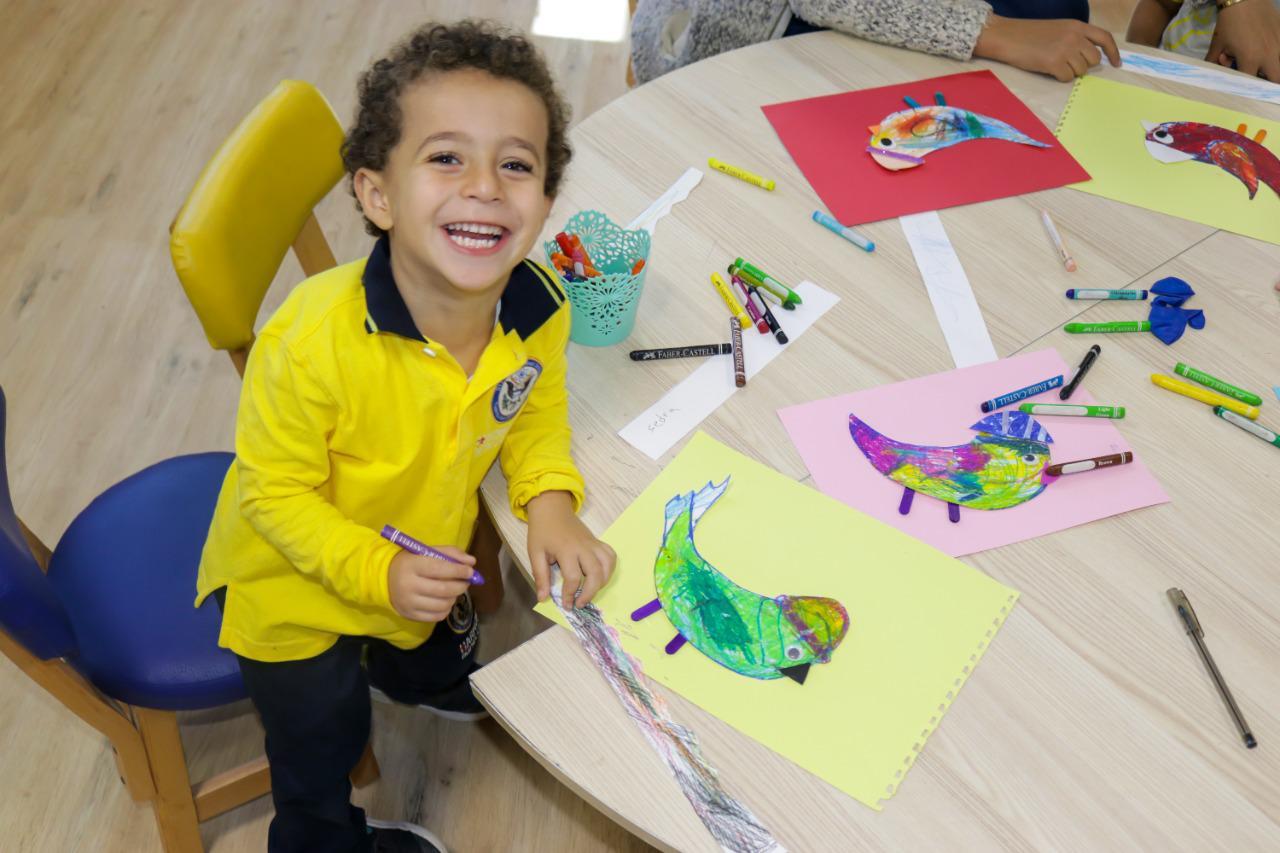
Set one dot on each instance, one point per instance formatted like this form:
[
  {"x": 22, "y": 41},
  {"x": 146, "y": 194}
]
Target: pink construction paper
[
  {"x": 938, "y": 410},
  {"x": 827, "y": 137}
]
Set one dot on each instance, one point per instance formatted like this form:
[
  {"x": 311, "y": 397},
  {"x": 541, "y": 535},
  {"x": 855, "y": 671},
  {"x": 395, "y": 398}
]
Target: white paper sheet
[
  {"x": 953, "y": 301},
  {"x": 675, "y": 194},
  {"x": 1198, "y": 75},
  {"x": 659, "y": 427}
]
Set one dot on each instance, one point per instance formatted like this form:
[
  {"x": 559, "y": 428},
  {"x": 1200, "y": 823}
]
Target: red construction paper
[{"x": 827, "y": 137}]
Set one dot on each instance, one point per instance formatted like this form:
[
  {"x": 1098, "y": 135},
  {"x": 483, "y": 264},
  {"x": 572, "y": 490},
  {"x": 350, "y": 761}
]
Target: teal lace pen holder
[{"x": 604, "y": 307}]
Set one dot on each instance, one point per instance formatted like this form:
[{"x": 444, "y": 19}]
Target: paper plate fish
[
  {"x": 1232, "y": 151},
  {"x": 1003, "y": 466},
  {"x": 754, "y": 635},
  {"x": 902, "y": 139}
]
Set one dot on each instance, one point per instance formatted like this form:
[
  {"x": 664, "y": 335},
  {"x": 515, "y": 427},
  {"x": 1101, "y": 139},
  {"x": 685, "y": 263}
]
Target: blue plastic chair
[{"x": 110, "y": 631}]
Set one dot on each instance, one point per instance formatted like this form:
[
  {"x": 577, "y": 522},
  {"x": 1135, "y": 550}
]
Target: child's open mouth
[{"x": 476, "y": 238}]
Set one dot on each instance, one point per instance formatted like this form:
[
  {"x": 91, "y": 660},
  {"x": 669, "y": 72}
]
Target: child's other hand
[
  {"x": 423, "y": 588},
  {"x": 1064, "y": 49},
  {"x": 1249, "y": 33},
  {"x": 557, "y": 536}
]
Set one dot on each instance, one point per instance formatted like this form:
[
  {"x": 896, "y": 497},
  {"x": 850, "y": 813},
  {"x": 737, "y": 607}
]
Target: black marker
[
  {"x": 1070, "y": 387},
  {"x": 681, "y": 352},
  {"x": 763, "y": 308}
]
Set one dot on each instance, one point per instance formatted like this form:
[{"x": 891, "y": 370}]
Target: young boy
[{"x": 380, "y": 393}]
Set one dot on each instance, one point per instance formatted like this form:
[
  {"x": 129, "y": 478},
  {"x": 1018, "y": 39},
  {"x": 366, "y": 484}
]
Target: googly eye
[
  {"x": 1163, "y": 135},
  {"x": 886, "y": 142},
  {"x": 793, "y": 653},
  {"x": 1029, "y": 458}
]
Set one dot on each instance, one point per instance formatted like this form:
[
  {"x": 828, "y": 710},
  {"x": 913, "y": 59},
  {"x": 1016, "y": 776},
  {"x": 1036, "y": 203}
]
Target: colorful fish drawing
[
  {"x": 1245, "y": 158},
  {"x": 749, "y": 633},
  {"x": 902, "y": 139},
  {"x": 1003, "y": 466}
]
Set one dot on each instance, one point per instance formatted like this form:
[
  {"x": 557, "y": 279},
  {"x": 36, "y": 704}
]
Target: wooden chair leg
[
  {"x": 366, "y": 771},
  {"x": 135, "y": 771},
  {"x": 174, "y": 804}
]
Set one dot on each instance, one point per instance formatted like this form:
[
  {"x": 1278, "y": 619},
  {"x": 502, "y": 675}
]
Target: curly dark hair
[{"x": 436, "y": 48}]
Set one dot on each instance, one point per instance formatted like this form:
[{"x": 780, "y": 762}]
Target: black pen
[
  {"x": 1188, "y": 615},
  {"x": 1070, "y": 387},
  {"x": 681, "y": 352}
]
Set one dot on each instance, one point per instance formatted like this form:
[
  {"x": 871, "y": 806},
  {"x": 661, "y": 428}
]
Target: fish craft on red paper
[
  {"x": 901, "y": 140},
  {"x": 1230, "y": 150}
]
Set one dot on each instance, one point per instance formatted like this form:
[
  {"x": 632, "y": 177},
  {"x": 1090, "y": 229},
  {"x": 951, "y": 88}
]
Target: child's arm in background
[
  {"x": 961, "y": 29},
  {"x": 1248, "y": 36},
  {"x": 282, "y": 455},
  {"x": 1149, "y": 21},
  {"x": 546, "y": 489}
]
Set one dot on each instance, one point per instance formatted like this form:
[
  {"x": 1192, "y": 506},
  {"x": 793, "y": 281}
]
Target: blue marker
[
  {"x": 1078, "y": 293},
  {"x": 829, "y": 222},
  {"x": 1022, "y": 393}
]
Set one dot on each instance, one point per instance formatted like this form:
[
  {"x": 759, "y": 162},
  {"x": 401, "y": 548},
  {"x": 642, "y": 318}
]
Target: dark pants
[{"x": 316, "y": 713}]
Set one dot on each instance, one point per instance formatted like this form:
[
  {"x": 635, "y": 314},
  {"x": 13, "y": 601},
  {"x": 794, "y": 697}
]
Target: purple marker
[
  {"x": 413, "y": 546},
  {"x": 1021, "y": 393}
]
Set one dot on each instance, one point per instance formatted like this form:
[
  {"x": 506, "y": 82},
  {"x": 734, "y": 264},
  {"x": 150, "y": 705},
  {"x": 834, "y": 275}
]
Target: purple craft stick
[
  {"x": 908, "y": 494},
  {"x": 676, "y": 642},
  {"x": 953, "y": 513},
  {"x": 646, "y": 610},
  {"x": 413, "y": 546}
]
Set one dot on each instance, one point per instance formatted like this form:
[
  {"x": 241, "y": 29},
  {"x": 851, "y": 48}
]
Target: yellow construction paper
[
  {"x": 1102, "y": 128},
  {"x": 919, "y": 620}
]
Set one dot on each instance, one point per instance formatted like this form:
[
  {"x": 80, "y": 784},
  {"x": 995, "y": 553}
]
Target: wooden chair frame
[{"x": 148, "y": 748}]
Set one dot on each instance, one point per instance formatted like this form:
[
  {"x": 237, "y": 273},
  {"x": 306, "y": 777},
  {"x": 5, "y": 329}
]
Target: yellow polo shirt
[{"x": 350, "y": 420}]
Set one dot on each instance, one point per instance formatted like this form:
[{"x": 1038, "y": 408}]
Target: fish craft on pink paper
[
  {"x": 1003, "y": 466},
  {"x": 902, "y": 140},
  {"x": 1230, "y": 150}
]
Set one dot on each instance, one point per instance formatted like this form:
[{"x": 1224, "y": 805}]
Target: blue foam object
[{"x": 1168, "y": 318}]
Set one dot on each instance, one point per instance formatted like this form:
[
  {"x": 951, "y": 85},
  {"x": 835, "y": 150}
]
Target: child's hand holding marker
[{"x": 425, "y": 588}]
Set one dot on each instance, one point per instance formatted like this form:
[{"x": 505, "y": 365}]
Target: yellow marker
[
  {"x": 741, "y": 174},
  {"x": 1204, "y": 395},
  {"x": 734, "y": 307}
]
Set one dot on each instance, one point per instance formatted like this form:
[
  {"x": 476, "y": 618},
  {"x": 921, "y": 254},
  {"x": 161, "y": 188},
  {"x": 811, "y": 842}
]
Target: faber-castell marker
[
  {"x": 739, "y": 365},
  {"x": 1188, "y": 615},
  {"x": 753, "y": 293},
  {"x": 681, "y": 352},
  {"x": 1079, "y": 410},
  {"x": 1217, "y": 384},
  {"x": 1089, "y": 464},
  {"x": 831, "y": 224},
  {"x": 768, "y": 294},
  {"x": 1067, "y": 261},
  {"x": 413, "y": 546},
  {"x": 767, "y": 281},
  {"x": 1117, "y": 326},
  {"x": 1076, "y": 293},
  {"x": 1212, "y": 398},
  {"x": 727, "y": 295},
  {"x": 1022, "y": 393},
  {"x": 1247, "y": 425},
  {"x": 740, "y": 291},
  {"x": 1070, "y": 387},
  {"x": 741, "y": 174}
]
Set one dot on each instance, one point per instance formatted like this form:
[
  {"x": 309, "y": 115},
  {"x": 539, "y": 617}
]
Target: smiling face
[{"x": 462, "y": 194}]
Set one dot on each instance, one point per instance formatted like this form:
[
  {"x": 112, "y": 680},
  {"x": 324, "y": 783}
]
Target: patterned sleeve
[{"x": 941, "y": 27}]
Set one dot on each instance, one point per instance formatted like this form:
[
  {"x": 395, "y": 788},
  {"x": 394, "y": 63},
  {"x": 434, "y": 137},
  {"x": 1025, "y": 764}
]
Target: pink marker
[
  {"x": 413, "y": 546},
  {"x": 752, "y": 309}
]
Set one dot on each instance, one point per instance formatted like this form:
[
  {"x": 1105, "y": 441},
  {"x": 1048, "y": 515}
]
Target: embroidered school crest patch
[{"x": 511, "y": 392}]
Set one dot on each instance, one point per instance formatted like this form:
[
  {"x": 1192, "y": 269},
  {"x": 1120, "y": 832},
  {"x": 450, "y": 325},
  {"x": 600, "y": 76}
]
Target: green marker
[
  {"x": 1247, "y": 425},
  {"x": 1077, "y": 410},
  {"x": 1117, "y": 326},
  {"x": 779, "y": 289},
  {"x": 1217, "y": 384}
]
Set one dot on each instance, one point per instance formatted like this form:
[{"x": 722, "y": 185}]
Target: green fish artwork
[{"x": 752, "y": 634}]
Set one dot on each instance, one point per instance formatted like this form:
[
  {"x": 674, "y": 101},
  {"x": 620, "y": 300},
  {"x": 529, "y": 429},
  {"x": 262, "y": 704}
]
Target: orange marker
[{"x": 640, "y": 265}]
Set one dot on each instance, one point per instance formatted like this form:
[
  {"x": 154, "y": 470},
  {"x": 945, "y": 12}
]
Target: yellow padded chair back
[{"x": 251, "y": 202}]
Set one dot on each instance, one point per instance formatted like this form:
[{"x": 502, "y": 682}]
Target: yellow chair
[{"x": 251, "y": 203}]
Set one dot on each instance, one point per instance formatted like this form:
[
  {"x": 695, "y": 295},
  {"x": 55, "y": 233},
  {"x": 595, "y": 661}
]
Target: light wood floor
[{"x": 109, "y": 109}]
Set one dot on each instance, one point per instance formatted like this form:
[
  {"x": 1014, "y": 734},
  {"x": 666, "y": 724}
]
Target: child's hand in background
[
  {"x": 1248, "y": 34},
  {"x": 557, "y": 536},
  {"x": 1064, "y": 49},
  {"x": 423, "y": 588}
]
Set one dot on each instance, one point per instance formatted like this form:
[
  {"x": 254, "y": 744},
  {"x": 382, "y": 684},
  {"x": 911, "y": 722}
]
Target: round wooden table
[{"x": 1091, "y": 723}]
